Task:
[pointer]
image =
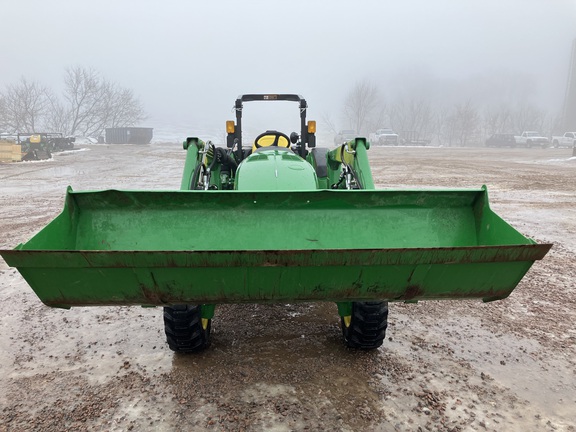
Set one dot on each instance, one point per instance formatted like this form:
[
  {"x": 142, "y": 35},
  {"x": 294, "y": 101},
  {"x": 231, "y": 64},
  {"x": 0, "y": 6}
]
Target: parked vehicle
[
  {"x": 59, "y": 142},
  {"x": 345, "y": 136},
  {"x": 385, "y": 136},
  {"x": 501, "y": 140},
  {"x": 532, "y": 139},
  {"x": 566, "y": 140},
  {"x": 51, "y": 141},
  {"x": 413, "y": 138},
  {"x": 34, "y": 146}
]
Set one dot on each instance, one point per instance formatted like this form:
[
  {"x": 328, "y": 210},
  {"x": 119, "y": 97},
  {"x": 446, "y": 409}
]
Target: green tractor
[
  {"x": 35, "y": 146},
  {"x": 279, "y": 221}
]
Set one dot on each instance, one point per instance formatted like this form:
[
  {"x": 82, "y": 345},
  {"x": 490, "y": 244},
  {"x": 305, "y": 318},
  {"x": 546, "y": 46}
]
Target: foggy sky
[{"x": 188, "y": 60}]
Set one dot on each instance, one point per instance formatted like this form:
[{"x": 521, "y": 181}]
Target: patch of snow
[
  {"x": 76, "y": 150},
  {"x": 573, "y": 158},
  {"x": 85, "y": 140}
]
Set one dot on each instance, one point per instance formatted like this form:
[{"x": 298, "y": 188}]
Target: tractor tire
[
  {"x": 185, "y": 332},
  {"x": 43, "y": 154},
  {"x": 367, "y": 328}
]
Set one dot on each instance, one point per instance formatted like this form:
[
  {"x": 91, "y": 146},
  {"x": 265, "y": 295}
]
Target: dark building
[{"x": 128, "y": 135}]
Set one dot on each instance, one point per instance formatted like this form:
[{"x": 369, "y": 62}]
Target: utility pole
[{"x": 569, "y": 110}]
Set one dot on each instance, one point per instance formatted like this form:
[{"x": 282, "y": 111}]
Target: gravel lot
[{"x": 448, "y": 366}]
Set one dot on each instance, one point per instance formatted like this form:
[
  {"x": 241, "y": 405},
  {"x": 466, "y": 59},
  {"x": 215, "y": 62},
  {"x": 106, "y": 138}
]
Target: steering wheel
[{"x": 271, "y": 138}]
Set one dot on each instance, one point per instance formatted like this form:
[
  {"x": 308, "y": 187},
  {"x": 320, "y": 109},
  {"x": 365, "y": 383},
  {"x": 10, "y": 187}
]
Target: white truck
[
  {"x": 532, "y": 139},
  {"x": 566, "y": 140},
  {"x": 384, "y": 136}
]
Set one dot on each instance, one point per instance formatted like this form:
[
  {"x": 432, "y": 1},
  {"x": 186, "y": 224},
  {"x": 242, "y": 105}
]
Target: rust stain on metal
[
  {"x": 154, "y": 296},
  {"x": 412, "y": 291},
  {"x": 151, "y": 295},
  {"x": 287, "y": 258}
]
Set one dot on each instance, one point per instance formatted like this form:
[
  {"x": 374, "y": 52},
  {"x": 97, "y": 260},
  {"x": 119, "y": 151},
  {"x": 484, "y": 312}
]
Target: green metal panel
[
  {"x": 275, "y": 169},
  {"x": 192, "y": 145},
  {"x": 164, "y": 247},
  {"x": 355, "y": 154}
]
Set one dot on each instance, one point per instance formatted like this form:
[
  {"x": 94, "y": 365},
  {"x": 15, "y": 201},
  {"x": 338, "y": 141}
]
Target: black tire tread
[
  {"x": 183, "y": 328},
  {"x": 368, "y": 325}
]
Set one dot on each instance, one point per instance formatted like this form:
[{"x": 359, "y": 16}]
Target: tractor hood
[{"x": 275, "y": 169}]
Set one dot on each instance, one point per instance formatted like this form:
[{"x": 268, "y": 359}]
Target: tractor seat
[{"x": 271, "y": 138}]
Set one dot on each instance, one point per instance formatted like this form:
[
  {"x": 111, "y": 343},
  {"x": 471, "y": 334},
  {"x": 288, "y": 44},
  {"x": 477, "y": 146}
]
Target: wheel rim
[{"x": 347, "y": 320}]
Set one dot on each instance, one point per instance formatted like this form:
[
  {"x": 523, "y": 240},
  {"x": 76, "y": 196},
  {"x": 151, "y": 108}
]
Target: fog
[{"x": 188, "y": 61}]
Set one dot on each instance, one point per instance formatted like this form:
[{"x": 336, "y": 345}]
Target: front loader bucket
[{"x": 207, "y": 247}]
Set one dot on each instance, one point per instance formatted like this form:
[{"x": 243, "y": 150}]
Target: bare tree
[
  {"x": 122, "y": 108},
  {"x": 90, "y": 104},
  {"x": 440, "y": 125},
  {"x": 554, "y": 125},
  {"x": 378, "y": 118},
  {"x": 414, "y": 115},
  {"x": 93, "y": 103},
  {"x": 24, "y": 104},
  {"x": 58, "y": 118},
  {"x": 330, "y": 125},
  {"x": 3, "y": 121},
  {"x": 462, "y": 124},
  {"x": 527, "y": 117},
  {"x": 363, "y": 107},
  {"x": 498, "y": 119},
  {"x": 83, "y": 96}
]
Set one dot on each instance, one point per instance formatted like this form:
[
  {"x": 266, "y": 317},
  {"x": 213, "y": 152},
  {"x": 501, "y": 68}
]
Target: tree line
[
  {"x": 460, "y": 124},
  {"x": 88, "y": 104}
]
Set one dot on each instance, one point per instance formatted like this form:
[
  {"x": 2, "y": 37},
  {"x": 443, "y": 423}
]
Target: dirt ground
[{"x": 449, "y": 366}]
